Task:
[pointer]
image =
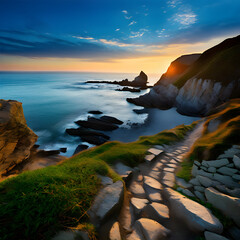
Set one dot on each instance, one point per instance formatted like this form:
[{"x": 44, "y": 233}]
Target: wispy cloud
[
  {"x": 118, "y": 29},
  {"x": 185, "y": 19},
  {"x": 85, "y": 38},
  {"x": 136, "y": 34},
  {"x": 125, "y": 11},
  {"x": 131, "y": 23},
  {"x": 173, "y": 3}
]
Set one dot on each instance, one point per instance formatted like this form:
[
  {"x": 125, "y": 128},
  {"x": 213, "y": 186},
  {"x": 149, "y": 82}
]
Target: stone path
[{"x": 147, "y": 213}]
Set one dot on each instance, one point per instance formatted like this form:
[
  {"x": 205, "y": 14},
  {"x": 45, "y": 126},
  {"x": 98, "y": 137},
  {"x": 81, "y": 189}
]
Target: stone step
[
  {"x": 155, "y": 151},
  {"x": 151, "y": 182},
  {"x": 138, "y": 204},
  {"x": 137, "y": 190}
]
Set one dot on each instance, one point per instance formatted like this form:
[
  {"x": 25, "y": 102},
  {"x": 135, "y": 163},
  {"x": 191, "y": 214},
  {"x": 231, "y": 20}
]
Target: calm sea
[{"x": 53, "y": 101}]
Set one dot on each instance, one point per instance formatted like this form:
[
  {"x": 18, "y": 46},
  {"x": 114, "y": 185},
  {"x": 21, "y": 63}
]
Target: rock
[
  {"x": 197, "y": 217},
  {"x": 149, "y": 158},
  {"x": 188, "y": 193},
  {"x": 63, "y": 150},
  {"x": 154, "y": 174},
  {"x": 213, "y": 236},
  {"x": 85, "y": 132},
  {"x": 236, "y": 177},
  {"x": 105, "y": 180},
  {"x": 151, "y": 182},
  {"x": 182, "y": 183},
  {"x": 137, "y": 190},
  {"x": 169, "y": 170},
  {"x": 227, "y": 171},
  {"x": 122, "y": 169},
  {"x": 141, "y": 111},
  {"x": 200, "y": 196},
  {"x": 97, "y": 124},
  {"x": 197, "y": 163},
  {"x": 140, "y": 80},
  {"x": 169, "y": 177},
  {"x": 156, "y": 211},
  {"x": 199, "y": 188},
  {"x": 216, "y": 163},
  {"x": 110, "y": 119},
  {"x": 206, "y": 182},
  {"x": 205, "y": 174},
  {"x": 231, "y": 165},
  {"x": 236, "y": 161},
  {"x": 95, "y": 112},
  {"x": 114, "y": 233},
  {"x": 194, "y": 181},
  {"x": 154, "y": 195},
  {"x": 226, "y": 180},
  {"x": 96, "y": 140},
  {"x": 108, "y": 201},
  {"x": 150, "y": 229},
  {"x": 234, "y": 232},
  {"x": 171, "y": 165},
  {"x": 128, "y": 89},
  {"x": 229, "y": 206},
  {"x": 194, "y": 170},
  {"x": 80, "y": 148},
  {"x": 160, "y": 147},
  {"x": 155, "y": 151},
  {"x": 138, "y": 204},
  {"x": 16, "y": 138},
  {"x": 212, "y": 169}
]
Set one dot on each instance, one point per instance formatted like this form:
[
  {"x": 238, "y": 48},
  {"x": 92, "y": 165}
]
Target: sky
[{"x": 110, "y": 35}]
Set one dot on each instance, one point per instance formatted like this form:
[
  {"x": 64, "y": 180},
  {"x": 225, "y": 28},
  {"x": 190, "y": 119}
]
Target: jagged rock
[
  {"x": 114, "y": 233},
  {"x": 234, "y": 232},
  {"x": 182, "y": 183},
  {"x": 95, "y": 112},
  {"x": 227, "y": 171},
  {"x": 110, "y": 119},
  {"x": 213, "y": 236},
  {"x": 107, "y": 201},
  {"x": 230, "y": 206},
  {"x": 188, "y": 193},
  {"x": 216, "y": 163},
  {"x": 200, "y": 196},
  {"x": 128, "y": 89},
  {"x": 195, "y": 216},
  {"x": 236, "y": 177},
  {"x": 194, "y": 181},
  {"x": 138, "y": 204},
  {"x": 105, "y": 180},
  {"x": 212, "y": 169},
  {"x": 236, "y": 161},
  {"x": 194, "y": 170},
  {"x": 140, "y": 80},
  {"x": 137, "y": 190},
  {"x": 85, "y": 132},
  {"x": 150, "y": 229},
  {"x": 16, "y": 138},
  {"x": 96, "y": 140},
  {"x": 199, "y": 188},
  {"x": 156, "y": 211}
]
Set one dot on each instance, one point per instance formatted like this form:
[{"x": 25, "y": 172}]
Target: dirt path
[{"x": 145, "y": 198}]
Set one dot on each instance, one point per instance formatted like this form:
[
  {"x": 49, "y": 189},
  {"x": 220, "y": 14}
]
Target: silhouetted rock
[
  {"x": 63, "y": 150},
  {"x": 140, "y": 111},
  {"x": 96, "y": 140},
  {"x": 111, "y": 120},
  {"x": 80, "y": 148},
  {"x": 84, "y": 132},
  {"x": 95, "y": 112},
  {"x": 97, "y": 124},
  {"x": 127, "y": 89}
]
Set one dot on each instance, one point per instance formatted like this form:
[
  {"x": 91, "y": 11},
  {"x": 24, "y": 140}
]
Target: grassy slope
[
  {"x": 220, "y": 63},
  {"x": 36, "y": 204},
  {"x": 214, "y": 143}
]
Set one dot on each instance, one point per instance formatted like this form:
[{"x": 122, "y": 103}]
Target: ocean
[{"x": 52, "y": 101}]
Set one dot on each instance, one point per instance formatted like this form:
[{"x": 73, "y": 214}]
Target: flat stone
[
  {"x": 236, "y": 177},
  {"x": 160, "y": 147},
  {"x": 151, "y": 229},
  {"x": 188, "y": 193},
  {"x": 200, "y": 196},
  {"x": 236, "y": 161},
  {"x": 169, "y": 177},
  {"x": 168, "y": 183},
  {"x": 137, "y": 190},
  {"x": 139, "y": 178},
  {"x": 106, "y": 202},
  {"x": 197, "y": 217},
  {"x": 122, "y": 169},
  {"x": 205, "y": 181},
  {"x": 197, "y": 163},
  {"x": 204, "y": 168},
  {"x": 212, "y": 169},
  {"x": 213, "y": 236},
  {"x": 194, "y": 170},
  {"x": 135, "y": 236},
  {"x": 182, "y": 183},
  {"x": 114, "y": 233},
  {"x": 154, "y": 174},
  {"x": 138, "y": 204},
  {"x": 173, "y": 161},
  {"x": 226, "y": 180},
  {"x": 205, "y": 174},
  {"x": 156, "y": 211},
  {"x": 231, "y": 165},
  {"x": 105, "y": 180},
  {"x": 171, "y": 165},
  {"x": 227, "y": 171},
  {"x": 229, "y": 206},
  {"x": 149, "y": 158},
  {"x": 216, "y": 163},
  {"x": 169, "y": 170},
  {"x": 194, "y": 181},
  {"x": 155, "y": 151},
  {"x": 157, "y": 166},
  {"x": 199, "y": 188},
  {"x": 151, "y": 182},
  {"x": 153, "y": 195}
]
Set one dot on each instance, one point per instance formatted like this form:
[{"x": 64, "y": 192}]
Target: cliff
[
  {"x": 195, "y": 84},
  {"x": 16, "y": 138}
]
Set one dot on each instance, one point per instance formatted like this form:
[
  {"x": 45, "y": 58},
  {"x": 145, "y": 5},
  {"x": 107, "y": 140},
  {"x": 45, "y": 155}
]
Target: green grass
[
  {"x": 185, "y": 170},
  {"x": 37, "y": 204}
]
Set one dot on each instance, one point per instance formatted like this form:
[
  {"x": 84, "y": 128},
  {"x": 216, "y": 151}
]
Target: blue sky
[{"x": 106, "y": 30}]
